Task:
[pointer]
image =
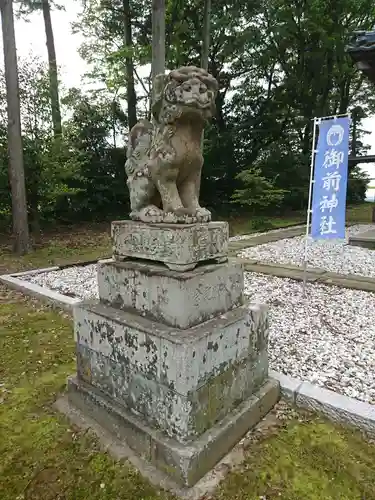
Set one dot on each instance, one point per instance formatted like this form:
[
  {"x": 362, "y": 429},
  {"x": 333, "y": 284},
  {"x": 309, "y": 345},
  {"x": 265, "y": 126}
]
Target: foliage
[
  {"x": 259, "y": 192},
  {"x": 278, "y": 64},
  {"x": 49, "y": 163}
]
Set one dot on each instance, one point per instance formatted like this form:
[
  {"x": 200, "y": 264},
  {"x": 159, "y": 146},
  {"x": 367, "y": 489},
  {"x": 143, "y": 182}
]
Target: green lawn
[
  {"x": 246, "y": 224},
  {"x": 67, "y": 246},
  {"x": 44, "y": 458}
]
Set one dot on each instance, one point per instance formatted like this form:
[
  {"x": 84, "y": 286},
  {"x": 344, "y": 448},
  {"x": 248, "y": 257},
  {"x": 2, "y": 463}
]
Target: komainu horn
[{"x": 164, "y": 158}]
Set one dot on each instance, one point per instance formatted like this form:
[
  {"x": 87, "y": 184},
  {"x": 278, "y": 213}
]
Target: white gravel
[
  {"x": 326, "y": 338},
  {"x": 79, "y": 281},
  {"x": 331, "y": 255}
]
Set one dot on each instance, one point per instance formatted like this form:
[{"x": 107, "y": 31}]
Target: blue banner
[{"x": 330, "y": 179}]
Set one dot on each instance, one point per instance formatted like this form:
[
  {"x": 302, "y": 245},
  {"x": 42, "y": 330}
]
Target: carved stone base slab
[
  {"x": 178, "y": 381},
  {"x": 186, "y": 464},
  {"x": 177, "y": 299},
  {"x": 180, "y": 246}
]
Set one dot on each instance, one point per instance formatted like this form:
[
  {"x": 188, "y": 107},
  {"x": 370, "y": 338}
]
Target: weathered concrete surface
[
  {"x": 365, "y": 240},
  {"x": 337, "y": 407},
  {"x": 178, "y": 416},
  {"x": 180, "y": 381},
  {"x": 179, "y": 246},
  {"x": 120, "y": 451},
  {"x": 289, "y": 386},
  {"x": 283, "y": 270},
  {"x": 186, "y": 464},
  {"x": 177, "y": 299},
  {"x": 267, "y": 237},
  {"x": 164, "y": 157},
  {"x": 313, "y": 275}
]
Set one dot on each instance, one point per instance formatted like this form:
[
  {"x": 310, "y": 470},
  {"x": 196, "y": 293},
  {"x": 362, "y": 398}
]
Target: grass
[
  {"x": 65, "y": 246},
  {"x": 44, "y": 458},
  {"x": 41, "y": 456},
  {"x": 246, "y": 224},
  {"x": 305, "y": 459}
]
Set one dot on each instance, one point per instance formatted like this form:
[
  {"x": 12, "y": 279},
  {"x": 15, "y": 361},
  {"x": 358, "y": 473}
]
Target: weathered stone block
[
  {"x": 179, "y": 416},
  {"x": 180, "y": 359},
  {"x": 180, "y": 246},
  {"x": 177, "y": 299},
  {"x": 185, "y": 463},
  {"x": 180, "y": 381}
]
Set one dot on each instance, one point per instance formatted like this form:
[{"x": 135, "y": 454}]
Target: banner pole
[{"x": 309, "y": 209}]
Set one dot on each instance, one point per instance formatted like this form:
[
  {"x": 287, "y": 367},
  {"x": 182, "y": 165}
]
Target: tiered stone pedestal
[{"x": 175, "y": 363}]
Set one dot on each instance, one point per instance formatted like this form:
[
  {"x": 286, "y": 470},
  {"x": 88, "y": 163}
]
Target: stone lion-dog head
[{"x": 187, "y": 92}]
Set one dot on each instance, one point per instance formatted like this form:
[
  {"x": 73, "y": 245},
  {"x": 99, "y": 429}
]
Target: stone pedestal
[
  {"x": 177, "y": 299},
  {"x": 173, "y": 362},
  {"x": 179, "y": 246}
]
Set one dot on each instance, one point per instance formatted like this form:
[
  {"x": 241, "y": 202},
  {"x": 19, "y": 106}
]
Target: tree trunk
[
  {"x": 16, "y": 167},
  {"x": 206, "y": 34},
  {"x": 205, "y": 50},
  {"x": 158, "y": 38},
  {"x": 130, "y": 88},
  {"x": 53, "y": 76}
]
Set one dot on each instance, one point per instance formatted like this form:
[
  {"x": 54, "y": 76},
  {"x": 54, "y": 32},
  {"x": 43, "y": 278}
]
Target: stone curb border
[
  {"x": 313, "y": 275},
  {"x": 334, "y": 406},
  {"x": 55, "y": 299}
]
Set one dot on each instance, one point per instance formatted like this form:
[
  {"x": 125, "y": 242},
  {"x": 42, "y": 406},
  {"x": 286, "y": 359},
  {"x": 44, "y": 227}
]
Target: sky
[{"x": 30, "y": 37}]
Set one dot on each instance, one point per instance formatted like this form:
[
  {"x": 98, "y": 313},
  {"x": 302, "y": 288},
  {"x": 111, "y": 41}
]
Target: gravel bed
[
  {"x": 326, "y": 338},
  {"x": 331, "y": 255},
  {"x": 79, "y": 281}
]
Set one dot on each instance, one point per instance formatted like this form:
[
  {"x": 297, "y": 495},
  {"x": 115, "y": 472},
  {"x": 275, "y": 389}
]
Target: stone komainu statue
[{"x": 164, "y": 159}]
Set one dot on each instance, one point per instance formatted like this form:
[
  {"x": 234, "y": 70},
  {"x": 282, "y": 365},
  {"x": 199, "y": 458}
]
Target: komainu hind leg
[{"x": 142, "y": 194}]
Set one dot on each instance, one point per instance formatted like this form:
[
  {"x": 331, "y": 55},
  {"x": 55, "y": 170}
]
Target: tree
[
  {"x": 45, "y": 6},
  {"x": 50, "y": 165},
  {"x": 129, "y": 73},
  {"x": 53, "y": 75},
  {"x": 101, "y": 184},
  {"x": 279, "y": 63},
  {"x": 109, "y": 29},
  {"x": 158, "y": 38},
  {"x": 16, "y": 167},
  {"x": 206, "y": 34}
]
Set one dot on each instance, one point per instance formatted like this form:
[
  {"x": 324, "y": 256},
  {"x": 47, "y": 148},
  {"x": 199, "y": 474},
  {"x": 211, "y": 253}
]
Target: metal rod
[
  {"x": 332, "y": 116},
  {"x": 309, "y": 209}
]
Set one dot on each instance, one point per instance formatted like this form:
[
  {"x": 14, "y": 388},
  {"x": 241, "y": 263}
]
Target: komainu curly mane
[{"x": 164, "y": 158}]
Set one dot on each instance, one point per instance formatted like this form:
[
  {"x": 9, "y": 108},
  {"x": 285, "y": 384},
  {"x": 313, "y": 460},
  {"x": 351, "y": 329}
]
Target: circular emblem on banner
[{"x": 335, "y": 135}]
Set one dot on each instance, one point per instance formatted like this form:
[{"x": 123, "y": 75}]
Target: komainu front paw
[
  {"x": 179, "y": 216},
  {"x": 203, "y": 215},
  {"x": 151, "y": 213}
]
